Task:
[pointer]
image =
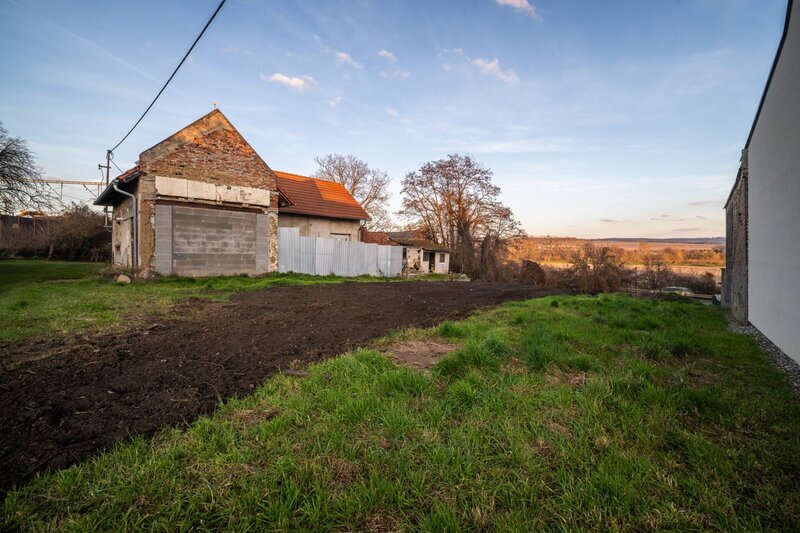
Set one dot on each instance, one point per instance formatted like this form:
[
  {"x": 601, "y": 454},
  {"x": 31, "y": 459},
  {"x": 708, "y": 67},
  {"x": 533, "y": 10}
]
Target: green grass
[
  {"x": 562, "y": 413},
  {"x": 52, "y": 296}
]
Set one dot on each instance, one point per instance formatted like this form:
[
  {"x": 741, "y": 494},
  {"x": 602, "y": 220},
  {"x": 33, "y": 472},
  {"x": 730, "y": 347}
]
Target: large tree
[
  {"x": 369, "y": 186},
  {"x": 454, "y": 202},
  {"x": 20, "y": 177}
]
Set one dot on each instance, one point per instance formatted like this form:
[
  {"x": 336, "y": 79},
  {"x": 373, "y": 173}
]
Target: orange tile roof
[
  {"x": 322, "y": 198},
  {"x": 375, "y": 237}
]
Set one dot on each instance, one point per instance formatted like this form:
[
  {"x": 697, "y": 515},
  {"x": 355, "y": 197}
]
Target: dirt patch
[
  {"x": 423, "y": 353},
  {"x": 571, "y": 379},
  {"x": 250, "y": 417},
  {"x": 66, "y": 398}
]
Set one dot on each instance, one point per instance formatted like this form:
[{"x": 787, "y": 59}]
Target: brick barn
[{"x": 202, "y": 202}]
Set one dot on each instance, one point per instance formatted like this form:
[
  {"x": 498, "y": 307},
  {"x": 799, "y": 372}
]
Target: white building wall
[
  {"x": 442, "y": 267},
  {"x": 311, "y": 226},
  {"x": 774, "y": 203}
]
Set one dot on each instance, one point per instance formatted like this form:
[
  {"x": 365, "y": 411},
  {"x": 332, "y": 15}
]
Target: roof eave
[
  {"x": 109, "y": 195},
  {"x": 292, "y": 210}
]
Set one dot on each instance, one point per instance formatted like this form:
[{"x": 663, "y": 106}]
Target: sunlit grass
[
  {"x": 52, "y": 296},
  {"x": 567, "y": 413}
]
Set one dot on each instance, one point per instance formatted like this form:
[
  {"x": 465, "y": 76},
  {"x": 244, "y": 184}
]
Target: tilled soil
[{"x": 66, "y": 398}]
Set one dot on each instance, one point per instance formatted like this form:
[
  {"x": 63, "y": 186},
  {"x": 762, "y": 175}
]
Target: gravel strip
[{"x": 783, "y": 362}]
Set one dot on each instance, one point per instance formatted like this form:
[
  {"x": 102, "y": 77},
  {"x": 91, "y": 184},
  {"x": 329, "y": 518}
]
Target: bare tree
[
  {"x": 369, "y": 186},
  {"x": 455, "y": 203},
  {"x": 597, "y": 269},
  {"x": 656, "y": 273},
  {"x": 20, "y": 177}
]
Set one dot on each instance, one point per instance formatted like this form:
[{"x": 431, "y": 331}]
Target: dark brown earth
[{"x": 64, "y": 399}]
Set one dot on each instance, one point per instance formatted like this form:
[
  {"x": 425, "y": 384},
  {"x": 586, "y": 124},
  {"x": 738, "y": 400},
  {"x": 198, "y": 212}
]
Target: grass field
[
  {"x": 561, "y": 413},
  {"x": 53, "y": 296}
]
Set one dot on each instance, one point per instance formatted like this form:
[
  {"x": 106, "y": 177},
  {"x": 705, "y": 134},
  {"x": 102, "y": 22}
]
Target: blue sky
[{"x": 614, "y": 118}]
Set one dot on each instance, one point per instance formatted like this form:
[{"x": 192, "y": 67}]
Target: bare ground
[{"x": 64, "y": 399}]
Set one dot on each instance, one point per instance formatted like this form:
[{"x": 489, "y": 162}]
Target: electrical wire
[
  {"x": 116, "y": 165},
  {"x": 172, "y": 75}
]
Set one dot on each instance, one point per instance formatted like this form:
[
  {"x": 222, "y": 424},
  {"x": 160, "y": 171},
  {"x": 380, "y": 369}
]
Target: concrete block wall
[{"x": 197, "y": 241}]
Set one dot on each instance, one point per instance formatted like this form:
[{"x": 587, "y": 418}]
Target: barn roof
[{"x": 322, "y": 198}]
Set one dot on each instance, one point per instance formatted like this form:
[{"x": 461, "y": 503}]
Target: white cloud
[
  {"x": 237, "y": 50},
  {"x": 335, "y": 102},
  {"x": 386, "y": 54},
  {"x": 300, "y": 84},
  {"x": 523, "y": 6},
  {"x": 493, "y": 67},
  {"x": 393, "y": 112},
  {"x": 398, "y": 74},
  {"x": 346, "y": 59},
  {"x": 342, "y": 58}
]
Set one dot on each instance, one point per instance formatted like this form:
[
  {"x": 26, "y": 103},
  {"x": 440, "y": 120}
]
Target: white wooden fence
[{"x": 321, "y": 256}]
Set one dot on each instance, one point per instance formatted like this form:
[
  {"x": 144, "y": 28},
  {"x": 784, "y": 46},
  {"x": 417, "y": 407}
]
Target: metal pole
[{"x": 107, "y": 167}]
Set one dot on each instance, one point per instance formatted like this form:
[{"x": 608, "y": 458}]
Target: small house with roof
[
  {"x": 319, "y": 208},
  {"x": 420, "y": 255}
]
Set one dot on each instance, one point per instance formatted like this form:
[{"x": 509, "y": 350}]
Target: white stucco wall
[
  {"x": 320, "y": 226},
  {"x": 442, "y": 268},
  {"x": 774, "y": 203}
]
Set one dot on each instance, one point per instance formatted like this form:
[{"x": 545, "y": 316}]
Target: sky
[{"x": 621, "y": 118}]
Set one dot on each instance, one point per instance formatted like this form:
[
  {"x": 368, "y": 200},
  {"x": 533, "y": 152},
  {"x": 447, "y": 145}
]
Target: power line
[
  {"x": 172, "y": 75},
  {"x": 116, "y": 165}
]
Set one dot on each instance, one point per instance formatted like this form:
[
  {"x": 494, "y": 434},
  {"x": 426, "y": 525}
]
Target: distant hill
[{"x": 688, "y": 240}]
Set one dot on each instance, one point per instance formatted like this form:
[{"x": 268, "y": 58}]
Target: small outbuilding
[{"x": 420, "y": 255}]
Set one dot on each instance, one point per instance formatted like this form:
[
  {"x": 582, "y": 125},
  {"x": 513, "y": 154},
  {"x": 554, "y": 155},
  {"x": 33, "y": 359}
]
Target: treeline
[
  {"x": 76, "y": 234},
  {"x": 596, "y": 269},
  {"x": 561, "y": 249}
]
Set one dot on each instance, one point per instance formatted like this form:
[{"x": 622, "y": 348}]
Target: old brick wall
[
  {"x": 734, "y": 289},
  {"x": 146, "y": 195},
  {"x": 209, "y": 150}
]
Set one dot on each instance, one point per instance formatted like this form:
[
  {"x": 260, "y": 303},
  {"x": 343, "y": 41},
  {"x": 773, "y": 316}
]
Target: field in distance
[{"x": 700, "y": 252}]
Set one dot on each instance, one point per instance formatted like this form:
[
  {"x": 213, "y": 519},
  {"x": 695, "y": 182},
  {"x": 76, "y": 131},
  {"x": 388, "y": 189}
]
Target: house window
[
  {"x": 340, "y": 236},
  {"x": 426, "y": 256},
  {"x": 441, "y": 258}
]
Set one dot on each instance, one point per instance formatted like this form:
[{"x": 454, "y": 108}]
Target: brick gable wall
[{"x": 220, "y": 157}]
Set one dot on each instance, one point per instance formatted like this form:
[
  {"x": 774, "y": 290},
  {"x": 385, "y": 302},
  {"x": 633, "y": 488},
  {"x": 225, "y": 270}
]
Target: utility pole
[{"x": 107, "y": 167}]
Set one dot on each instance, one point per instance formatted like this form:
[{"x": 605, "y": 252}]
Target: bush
[
  {"x": 77, "y": 234},
  {"x": 531, "y": 273},
  {"x": 597, "y": 269}
]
